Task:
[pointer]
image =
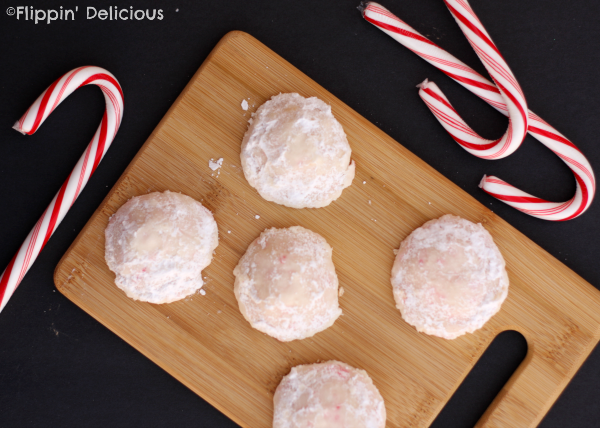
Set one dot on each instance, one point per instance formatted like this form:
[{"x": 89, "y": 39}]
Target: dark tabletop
[{"x": 59, "y": 367}]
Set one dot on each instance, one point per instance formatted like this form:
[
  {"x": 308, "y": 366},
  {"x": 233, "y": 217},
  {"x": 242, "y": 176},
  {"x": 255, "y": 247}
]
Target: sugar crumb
[
  {"x": 341, "y": 291},
  {"x": 244, "y": 105},
  {"x": 214, "y": 165},
  {"x": 257, "y": 216},
  {"x": 202, "y": 292}
]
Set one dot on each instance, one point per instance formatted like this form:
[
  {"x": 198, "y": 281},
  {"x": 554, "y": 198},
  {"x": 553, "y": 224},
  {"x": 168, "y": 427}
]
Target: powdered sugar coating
[
  {"x": 295, "y": 153},
  {"x": 328, "y": 395},
  {"x": 157, "y": 245},
  {"x": 286, "y": 285},
  {"x": 449, "y": 277}
]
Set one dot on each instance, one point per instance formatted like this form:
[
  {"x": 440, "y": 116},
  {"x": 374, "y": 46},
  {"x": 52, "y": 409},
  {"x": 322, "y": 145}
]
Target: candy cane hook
[
  {"x": 486, "y": 90},
  {"x": 489, "y": 54},
  {"x": 87, "y": 164}
]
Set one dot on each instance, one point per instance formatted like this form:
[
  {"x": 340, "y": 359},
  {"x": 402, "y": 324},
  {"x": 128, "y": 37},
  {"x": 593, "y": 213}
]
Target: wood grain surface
[{"x": 204, "y": 341}]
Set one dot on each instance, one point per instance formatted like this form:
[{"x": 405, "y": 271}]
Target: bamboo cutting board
[{"x": 204, "y": 341}]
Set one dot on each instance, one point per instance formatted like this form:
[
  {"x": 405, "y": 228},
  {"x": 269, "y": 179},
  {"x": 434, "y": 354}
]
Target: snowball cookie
[
  {"x": 157, "y": 245},
  {"x": 328, "y": 395},
  {"x": 449, "y": 277},
  {"x": 295, "y": 153},
  {"x": 286, "y": 284}
]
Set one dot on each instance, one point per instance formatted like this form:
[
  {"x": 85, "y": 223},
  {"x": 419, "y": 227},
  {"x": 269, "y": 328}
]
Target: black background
[{"x": 59, "y": 367}]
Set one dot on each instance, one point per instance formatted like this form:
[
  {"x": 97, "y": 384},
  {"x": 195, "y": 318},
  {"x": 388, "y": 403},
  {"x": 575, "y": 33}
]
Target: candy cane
[
  {"x": 486, "y": 90},
  {"x": 510, "y": 91},
  {"x": 66, "y": 196}
]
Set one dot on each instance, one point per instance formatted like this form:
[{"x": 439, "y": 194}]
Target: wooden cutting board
[{"x": 204, "y": 341}]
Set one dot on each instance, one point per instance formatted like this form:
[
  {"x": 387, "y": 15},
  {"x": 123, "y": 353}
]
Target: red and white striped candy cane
[
  {"x": 66, "y": 196},
  {"x": 486, "y": 90},
  {"x": 510, "y": 91}
]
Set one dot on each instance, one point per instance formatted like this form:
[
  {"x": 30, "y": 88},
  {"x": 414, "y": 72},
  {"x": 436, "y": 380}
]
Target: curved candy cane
[
  {"x": 510, "y": 91},
  {"x": 486, "y": 90},
  {"x": 87, "y": 164}
]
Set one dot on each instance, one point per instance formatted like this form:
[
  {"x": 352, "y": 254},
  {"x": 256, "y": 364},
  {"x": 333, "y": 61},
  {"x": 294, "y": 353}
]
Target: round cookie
[
  {"x": 157, "y": 245},
  {"x": 286, "y": 285},
  {"x": 328, "y": 395},
  {"x": 295, "y": 153},
  {"x": 449, "y": 277}
]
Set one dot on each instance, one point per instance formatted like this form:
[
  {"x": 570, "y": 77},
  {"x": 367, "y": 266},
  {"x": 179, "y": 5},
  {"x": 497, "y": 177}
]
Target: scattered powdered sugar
[
  {"x": 214, "y": 165},
  {"x": 257, "y": 216},
  {"x": 202, "y": 292},
  {"x": 244, "y": 105}
]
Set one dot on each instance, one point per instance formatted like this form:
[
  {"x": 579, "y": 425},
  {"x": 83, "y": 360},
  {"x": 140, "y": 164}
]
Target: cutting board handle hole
[{"x": 477, "y": 391}]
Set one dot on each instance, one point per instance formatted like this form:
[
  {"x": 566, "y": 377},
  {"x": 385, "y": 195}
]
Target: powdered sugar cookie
[
  {"x": 157, "y": 245},
  {"x": 286, "y": 285},
  {"x": 328, "y": 395},
  {"x": 449, "y": 277},
  {"x": 295, "y": 153}
]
